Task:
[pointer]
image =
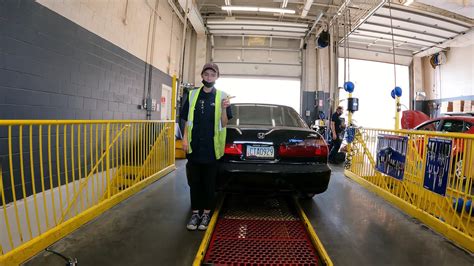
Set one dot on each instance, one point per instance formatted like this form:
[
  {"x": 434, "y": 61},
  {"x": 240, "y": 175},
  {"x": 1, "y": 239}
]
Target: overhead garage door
[{"x": 266, "y": 56}]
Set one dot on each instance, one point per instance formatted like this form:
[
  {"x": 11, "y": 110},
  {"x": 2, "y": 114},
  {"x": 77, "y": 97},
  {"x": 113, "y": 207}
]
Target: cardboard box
[
  {"x": 458, "y": 106},
  {"x": 179, "y": 152},
  {"x": 446, "y": 107},
  {"x": 468, "y": 105}
]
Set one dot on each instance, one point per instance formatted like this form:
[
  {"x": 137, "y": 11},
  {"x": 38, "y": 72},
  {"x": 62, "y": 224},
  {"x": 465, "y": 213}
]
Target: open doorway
[
  {"x": 262, "y": 90},
  {"x": 373, "y": 83}
]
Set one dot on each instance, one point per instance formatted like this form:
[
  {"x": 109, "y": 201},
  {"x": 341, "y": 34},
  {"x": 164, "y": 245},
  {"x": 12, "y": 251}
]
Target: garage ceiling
[{"x": 416, "y": 28}]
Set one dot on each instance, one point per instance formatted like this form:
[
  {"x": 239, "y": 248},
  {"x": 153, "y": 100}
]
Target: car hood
[{"x": 411, "y": 119}]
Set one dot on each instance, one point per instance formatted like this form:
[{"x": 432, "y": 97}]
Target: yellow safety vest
[{"x": 219, "y": 130}]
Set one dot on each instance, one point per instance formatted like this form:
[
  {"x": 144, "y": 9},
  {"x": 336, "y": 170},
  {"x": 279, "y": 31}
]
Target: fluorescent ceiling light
[
  {"x": 276, "y": 10},
  {"x": 408, "y": 2},
  {"x": 258, "y": 9},
  {"x": 240, "y": 8},
  {"x": 255, "y": 22}
]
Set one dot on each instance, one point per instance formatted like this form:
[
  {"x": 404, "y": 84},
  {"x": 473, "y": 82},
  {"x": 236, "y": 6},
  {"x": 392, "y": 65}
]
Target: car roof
[
  {"x": 260, "y": 104},
  {"x": 458, "y": 114},
  {"x": 458, "y": 118}
]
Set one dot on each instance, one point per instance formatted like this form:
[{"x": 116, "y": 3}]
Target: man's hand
[
  {"x": 226, "y": 102},
  {"x": 334, "y": 136},
  {"x": 185, "y": 145}
]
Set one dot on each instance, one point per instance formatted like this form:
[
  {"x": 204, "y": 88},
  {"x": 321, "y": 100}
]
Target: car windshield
[{"x": 265, "y": 115}]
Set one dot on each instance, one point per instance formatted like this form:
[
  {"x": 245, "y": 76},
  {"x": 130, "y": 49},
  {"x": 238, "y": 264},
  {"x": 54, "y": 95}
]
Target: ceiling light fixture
[
  {"x": 258, "y": 9},
  {"x": 408, "y": 2},
  {"x": 239, "y": 8}
]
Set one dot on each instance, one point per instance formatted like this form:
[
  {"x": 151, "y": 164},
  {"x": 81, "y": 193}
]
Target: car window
[
  {"x": 453, "y": 126},
  {"x": 432, "y": 126},
  {"x": 265, "y": 115}
]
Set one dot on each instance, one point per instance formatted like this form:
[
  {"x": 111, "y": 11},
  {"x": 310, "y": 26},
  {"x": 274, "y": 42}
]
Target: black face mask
[{"x": 208, "y": 84}]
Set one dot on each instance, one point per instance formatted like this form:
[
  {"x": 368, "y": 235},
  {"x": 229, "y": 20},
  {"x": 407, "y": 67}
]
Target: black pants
[
  {"x": 335, "y": 146},
  {"x": 202, "y": 183}
]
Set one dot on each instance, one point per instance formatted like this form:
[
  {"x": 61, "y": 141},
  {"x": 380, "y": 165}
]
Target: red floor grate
[{"x": 260, "y": 242}]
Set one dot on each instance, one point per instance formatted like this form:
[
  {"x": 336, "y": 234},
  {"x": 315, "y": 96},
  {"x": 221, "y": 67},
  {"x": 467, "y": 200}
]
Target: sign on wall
[
  {"x": 391, "y": 155},
  {"x": 438, "y": 158},
  {"x": 165, "y": 102}
]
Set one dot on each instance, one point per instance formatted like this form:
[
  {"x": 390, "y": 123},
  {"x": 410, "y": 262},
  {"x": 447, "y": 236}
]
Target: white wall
[
  {"x": 129, "y": 29},
  {"x": 453, "y": 79}
]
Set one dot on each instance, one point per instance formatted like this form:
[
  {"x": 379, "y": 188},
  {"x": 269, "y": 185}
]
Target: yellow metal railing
[
  {"x": 451, "y": 214},
  {"x": 57, "y": 175}
]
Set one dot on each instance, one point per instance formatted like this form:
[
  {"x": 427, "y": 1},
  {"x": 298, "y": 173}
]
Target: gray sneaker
[
  {"x": 193, "y": 222},
  {"x": 205, "y": 219}
]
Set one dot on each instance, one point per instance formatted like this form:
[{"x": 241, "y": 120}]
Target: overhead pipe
[
  {"x": 306, "y": 8},
  {"x": 176, "y": 10},
  {"x": 318, "y": 18},
  {"x": 364, "y": 19},
  {"x": 183, "y": 42}
]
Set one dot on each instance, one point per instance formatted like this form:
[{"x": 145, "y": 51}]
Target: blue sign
[
  {"x": 438, "y": 160},
  {"x": 391, "y": 155}
]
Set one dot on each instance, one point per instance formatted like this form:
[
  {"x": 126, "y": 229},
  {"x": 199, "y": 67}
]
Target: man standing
[
  {"x": 336, "y": 130},
  {"x": 206, "y": 111}
]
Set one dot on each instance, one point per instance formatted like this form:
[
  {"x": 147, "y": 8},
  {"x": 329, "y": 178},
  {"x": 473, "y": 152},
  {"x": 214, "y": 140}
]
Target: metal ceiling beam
[
  {"x": 429, "y": 12},
  {"x": 378, "y": 44},
  {"x": 374, "y": 40},
  {"x": 364, "y": 19},
  {"x": 256, "y": 48},
  {"x": 409, "y": 41},
  {"x": 193, "y": 15},
  {"x": 316, "y": 21},
  {"x": 431, "y": 16},
  {"x": 416, "y": 23},
  {"x": 256, "y": 33},
  {"x": 306, "y": 8},
  {"x": 382, "y": 52},
  {"x": 396, "y": 35},
  {"x": 409, "y": 30}
]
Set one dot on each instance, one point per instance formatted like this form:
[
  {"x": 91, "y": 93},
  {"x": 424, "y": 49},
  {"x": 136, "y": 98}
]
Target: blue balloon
[
  {"x": 398, "y": 91},
  {"x": 392, "y": 93},
  {"x": 460, "y": 203},
  {"x": 349, "y": 86}
]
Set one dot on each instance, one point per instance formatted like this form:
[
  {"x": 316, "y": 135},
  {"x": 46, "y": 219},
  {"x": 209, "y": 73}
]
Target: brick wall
[{"x": 51, "y": 68}]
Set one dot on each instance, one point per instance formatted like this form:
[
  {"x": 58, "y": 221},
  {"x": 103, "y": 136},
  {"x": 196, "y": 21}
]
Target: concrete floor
[{"x": 355, "y": 226}]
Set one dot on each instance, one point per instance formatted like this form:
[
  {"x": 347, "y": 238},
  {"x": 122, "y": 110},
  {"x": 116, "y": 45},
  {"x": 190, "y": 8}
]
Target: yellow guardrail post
[
  {"x": 173, "y": 117},
  {"x": 67, "y": 151},
  {"x": 446, "y": 211},
  {"x": 107, "y": 160}
]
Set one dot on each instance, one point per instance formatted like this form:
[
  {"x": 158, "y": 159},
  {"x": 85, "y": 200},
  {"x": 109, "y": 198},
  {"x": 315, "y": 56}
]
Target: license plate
[{"x": 260, "y": 152}]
